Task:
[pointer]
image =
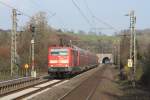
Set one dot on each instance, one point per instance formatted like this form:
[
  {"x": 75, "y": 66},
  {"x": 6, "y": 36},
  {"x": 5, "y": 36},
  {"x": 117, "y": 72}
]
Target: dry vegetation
[
  {"x": 46, "y": 36},
  {"x": 143, "y": 55}
]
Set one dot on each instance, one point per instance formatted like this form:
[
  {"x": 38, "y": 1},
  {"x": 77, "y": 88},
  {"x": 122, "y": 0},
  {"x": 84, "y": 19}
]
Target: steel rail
[
  {"x": 38, "y": 90},
  {"x": 90, "y": 94}
]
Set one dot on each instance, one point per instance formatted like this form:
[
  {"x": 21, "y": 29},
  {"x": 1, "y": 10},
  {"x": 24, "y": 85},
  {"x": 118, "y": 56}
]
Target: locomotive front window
[{"x": 62, "y": 52}]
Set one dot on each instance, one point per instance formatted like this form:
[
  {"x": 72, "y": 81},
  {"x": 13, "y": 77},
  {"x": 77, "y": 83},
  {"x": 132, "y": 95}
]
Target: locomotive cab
[{"x": 58, "y": 59}]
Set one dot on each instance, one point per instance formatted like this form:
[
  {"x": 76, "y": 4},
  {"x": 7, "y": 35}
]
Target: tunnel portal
[{"x": 106, "y": 60}]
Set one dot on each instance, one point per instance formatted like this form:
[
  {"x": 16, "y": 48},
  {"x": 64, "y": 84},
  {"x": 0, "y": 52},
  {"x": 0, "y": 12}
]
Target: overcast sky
[{"x": 68, "y": 17}]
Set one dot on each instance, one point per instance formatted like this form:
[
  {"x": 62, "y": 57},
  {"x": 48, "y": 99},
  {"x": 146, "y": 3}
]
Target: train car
[{"x": 69, "y": 60}]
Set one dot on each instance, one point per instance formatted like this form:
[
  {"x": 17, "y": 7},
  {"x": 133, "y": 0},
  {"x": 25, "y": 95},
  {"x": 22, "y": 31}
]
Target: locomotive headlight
[
  {"x": 53, "y": 61},
  {"x": 66, "y": 65},
  {"x": 63, "y": 61},
  {"x": 52, "y": 65}
]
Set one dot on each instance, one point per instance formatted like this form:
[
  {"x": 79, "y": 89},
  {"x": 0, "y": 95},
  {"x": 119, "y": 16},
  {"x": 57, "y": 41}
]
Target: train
[{"x": 69, "y": 60}]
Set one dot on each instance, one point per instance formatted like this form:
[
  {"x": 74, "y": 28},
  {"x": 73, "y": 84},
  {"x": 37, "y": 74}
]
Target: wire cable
[
  {"x": 38, "y": 5},
  {"x": 51, "y": 14},
  {"x": 88, "y": 9},
  {"x": 98, "y": 19},
  {"x": 82, "y": 14},
  {"x": 20, "y": 12},
  {"x": 109, "y": 26}
]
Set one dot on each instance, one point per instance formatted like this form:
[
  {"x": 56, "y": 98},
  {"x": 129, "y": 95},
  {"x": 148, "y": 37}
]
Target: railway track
[
  {"x": 30, "y": 91},
  {"x": 33, "y": 90},
  {"x": 86, "y": 89}
]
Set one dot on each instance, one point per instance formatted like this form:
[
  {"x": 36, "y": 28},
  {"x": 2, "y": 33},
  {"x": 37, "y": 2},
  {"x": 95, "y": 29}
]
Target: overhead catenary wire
[
  {"x": 19, "y": 12},
  {"x": 82, "y": 14},
  {"x": 88, "y": 9},
  {"x": 98, "y": 19},
  {"x": 11, "y": 7},
  {"x": 91, "y": 14},
  {"x": 38, "y": 5},
  {"x": 51, "y": 14},
  {"x": 25, "y": 14},
  {"x": 110, "y": 26}
]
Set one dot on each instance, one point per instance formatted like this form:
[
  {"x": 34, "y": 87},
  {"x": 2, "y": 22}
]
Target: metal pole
[
  {"x": 119, "y": 55},
  {"x": 133, "y": 45},
  {"x": 102, "y": 49},
  {"x": 131, "y": 38},
  {"x": 135, "y": 52},
  {"x": 14, "y": 68},
  {"x": 114, "y": 53}
]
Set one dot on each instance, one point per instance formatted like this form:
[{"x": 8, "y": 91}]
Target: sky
[{"x": 68, "y": 16}]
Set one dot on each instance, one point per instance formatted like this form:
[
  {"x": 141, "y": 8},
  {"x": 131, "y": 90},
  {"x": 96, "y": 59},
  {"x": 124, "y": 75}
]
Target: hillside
[{"x": 44, "y": 39}]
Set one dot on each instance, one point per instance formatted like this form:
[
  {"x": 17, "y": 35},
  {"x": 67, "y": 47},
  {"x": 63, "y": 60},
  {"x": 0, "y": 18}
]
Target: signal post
[{"x": 33, "y": 71}]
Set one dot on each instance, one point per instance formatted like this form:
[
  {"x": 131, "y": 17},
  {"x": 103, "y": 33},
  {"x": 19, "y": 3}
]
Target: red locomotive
[{"x": 69, "y": 60}]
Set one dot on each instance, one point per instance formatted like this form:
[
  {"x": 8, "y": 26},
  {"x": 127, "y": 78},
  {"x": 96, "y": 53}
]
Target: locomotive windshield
[{"x": 57, "y": 52}]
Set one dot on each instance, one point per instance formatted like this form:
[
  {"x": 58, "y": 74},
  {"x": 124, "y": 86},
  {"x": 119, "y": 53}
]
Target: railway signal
[
  {"x": 33, "y": 72},
  {"x": 26, "y": 68},
  {"x": 32, "y": 28}
]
